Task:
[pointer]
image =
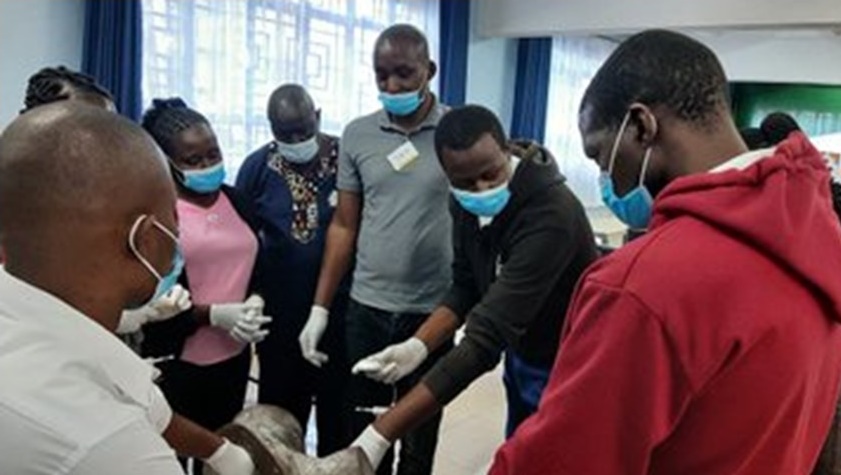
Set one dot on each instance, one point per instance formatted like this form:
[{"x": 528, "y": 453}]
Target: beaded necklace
[{"x": 303, "y": 183}]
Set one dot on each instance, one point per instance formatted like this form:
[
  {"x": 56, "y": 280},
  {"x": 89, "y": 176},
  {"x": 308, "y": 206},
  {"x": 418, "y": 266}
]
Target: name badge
[{"x": 402, "y": 156}]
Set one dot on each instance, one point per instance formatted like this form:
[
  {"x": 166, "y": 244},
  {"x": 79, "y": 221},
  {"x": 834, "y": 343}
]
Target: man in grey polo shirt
[{"x": 392, "y": 210}]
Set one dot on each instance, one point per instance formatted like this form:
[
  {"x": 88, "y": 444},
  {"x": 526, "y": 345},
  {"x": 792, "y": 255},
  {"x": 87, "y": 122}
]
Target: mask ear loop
[
  {"x": 177, "y": 172},
  {"x": 131, "y": 244},
  {"x": 164, "y": 230},
  {"x": 645, "y": 160},
  {"x": 616, "y": 141}
]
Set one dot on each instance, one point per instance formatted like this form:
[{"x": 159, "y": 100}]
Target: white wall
[
  {"x": 799, "y": 44},
  {"x": 34, "y": 34},
  {"x": 515, "y": 18},
  {"x": 491, "y": 72},
  {"x": 828, "y": 143},
  {"x": 784, "y": 56}
]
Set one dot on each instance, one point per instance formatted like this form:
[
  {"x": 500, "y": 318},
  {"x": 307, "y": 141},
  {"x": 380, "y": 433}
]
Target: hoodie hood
[
  {"x": 537, "y": 170},
  {"x": 780, "y": 205}
]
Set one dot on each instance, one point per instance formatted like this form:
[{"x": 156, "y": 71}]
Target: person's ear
[
  {"x": 642, "y": 118},
  {"x": 431, "y": 70}
]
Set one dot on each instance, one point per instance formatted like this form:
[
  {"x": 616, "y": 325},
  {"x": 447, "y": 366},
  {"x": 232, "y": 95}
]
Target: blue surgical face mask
[
  {"x": 205, "y": 180},
  {"x": 165, "y": 282},
  {"x": 301, "y": 152},
  {"x": 634, "y": 207},
  {"x": 486, "y": 203},
  {"x": 401, "y": 104}
]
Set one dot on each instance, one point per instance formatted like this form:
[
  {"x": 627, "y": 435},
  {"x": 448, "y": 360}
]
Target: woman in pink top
[{"x": 209, "y": 345}]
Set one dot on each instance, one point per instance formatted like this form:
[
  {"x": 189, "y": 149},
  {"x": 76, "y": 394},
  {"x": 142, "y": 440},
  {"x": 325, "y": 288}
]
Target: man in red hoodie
[{"x": 710, "y": 345}]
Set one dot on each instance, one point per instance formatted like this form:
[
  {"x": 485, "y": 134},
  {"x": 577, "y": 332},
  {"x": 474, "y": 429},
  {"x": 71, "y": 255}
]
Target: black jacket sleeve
[
  {"x": 539, "y": 255},
  {"x": 463, "y": 294}
]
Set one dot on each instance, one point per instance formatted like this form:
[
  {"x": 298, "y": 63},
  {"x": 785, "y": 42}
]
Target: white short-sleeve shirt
[{"x": 73, "y": 398}]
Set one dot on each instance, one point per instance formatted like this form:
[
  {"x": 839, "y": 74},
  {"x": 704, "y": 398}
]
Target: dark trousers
[
  {"x": 211, "y": 396},
  {"x": 289, "y": 381},
  {"x": 369, "y": 330},
  {"x": 524, "y": 385}
]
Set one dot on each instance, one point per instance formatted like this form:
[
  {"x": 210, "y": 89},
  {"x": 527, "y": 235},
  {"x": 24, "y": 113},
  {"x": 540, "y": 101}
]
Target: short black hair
[
  {"x": 777, "y": 126},
  {"x": 169, "y": 117},
  {"x": 462, "y": 127},
  {"x": 754, "y": 138},
  {"x": 659, "y": 67},
  {"x": 55, "y": 84},
  {"x": 294, "y": 95},
  {"x": 404, "y": 32}
]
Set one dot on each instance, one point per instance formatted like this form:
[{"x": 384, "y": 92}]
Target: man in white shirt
[
  {"x": 87, "y": 226},
  {"x": 50, "y": 85}
]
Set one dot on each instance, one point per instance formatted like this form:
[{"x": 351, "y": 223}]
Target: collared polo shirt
[{"x": 404, "y": 250}]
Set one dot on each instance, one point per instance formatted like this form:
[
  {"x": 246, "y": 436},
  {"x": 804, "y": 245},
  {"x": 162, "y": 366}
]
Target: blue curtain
[
  {"x": 531, "y": 90},
  {"x": 112, "y": 50},
  {"x": 455, "y": 31}
]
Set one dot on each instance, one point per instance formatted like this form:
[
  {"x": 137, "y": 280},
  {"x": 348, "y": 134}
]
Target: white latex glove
[
  {"x": 244, "y": 321},
  {"x": 373, "y": 444},
  {"x": 169, "y": 305},
  {"x": 231, "y": 459},
  {"x": 311, "y": 335},
  {"x": 252, "y": 330},
  {"x": 393, "y": 363}
]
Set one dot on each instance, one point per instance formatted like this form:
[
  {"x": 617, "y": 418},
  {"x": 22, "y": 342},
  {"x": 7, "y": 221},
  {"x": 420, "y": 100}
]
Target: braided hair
[
  {"x": 57, "y": 84},
  {"x": 169, "y": 117}
]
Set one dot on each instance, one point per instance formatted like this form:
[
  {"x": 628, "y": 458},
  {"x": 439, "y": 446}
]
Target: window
[
  {"x": 574, "y": 63},
  {"x": 225, "y": 57}
]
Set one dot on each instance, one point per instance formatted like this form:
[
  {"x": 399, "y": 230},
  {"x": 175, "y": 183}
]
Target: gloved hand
[
  {"x": 393, "y": 363},
  {"x": 169, "y": 305},
  {"x": 311, "y": 335},
  {"x": 231, "y": 459},
  {"x": 244, "y": 321},
  {"x": 373, "y": 444}
]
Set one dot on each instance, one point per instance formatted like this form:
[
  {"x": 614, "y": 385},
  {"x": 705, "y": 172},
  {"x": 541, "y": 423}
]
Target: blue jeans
[
  {"x": 368, "y": 331},
  {"x": 524, "y": 384}
]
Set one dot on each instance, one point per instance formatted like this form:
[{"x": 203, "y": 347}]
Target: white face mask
[{"x": 301, "y": 152}]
